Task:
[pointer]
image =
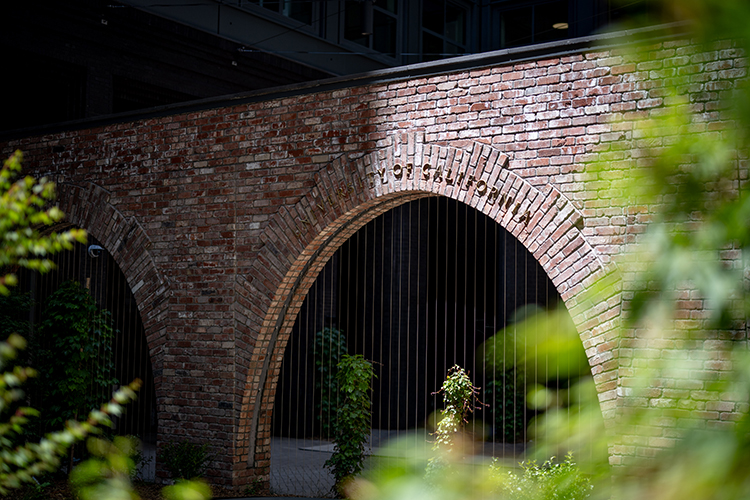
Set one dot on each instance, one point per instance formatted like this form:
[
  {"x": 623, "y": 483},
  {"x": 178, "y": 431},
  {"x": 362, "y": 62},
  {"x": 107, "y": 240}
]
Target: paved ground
[{"x": 297, "y": 465}]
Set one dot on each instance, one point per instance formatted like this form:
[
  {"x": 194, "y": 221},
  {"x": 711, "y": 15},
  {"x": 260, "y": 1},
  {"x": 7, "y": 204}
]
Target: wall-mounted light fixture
[
  {"x": 95, "y": 251},
  {"x": 560, "y": 26}
]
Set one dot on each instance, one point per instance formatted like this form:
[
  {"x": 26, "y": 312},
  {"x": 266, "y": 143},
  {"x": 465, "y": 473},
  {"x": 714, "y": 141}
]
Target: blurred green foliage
[
  {"x": 24, "y": 211},
  {"x": 187, "y": 490},
  {"x": 19, "y": 464},
  {"x": 684, "y": 182},
  {"x": 553, "y": 480},
  {"x": 109, "y": 471}
]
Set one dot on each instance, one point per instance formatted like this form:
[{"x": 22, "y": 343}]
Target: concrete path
[
  {"x": 297, "y": 467},
  {"x": 298, "y": 470}
]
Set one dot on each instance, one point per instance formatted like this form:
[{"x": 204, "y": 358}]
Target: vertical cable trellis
[
  {"x": 427, "y": 285},
  {"x": 112, "y": 339}
]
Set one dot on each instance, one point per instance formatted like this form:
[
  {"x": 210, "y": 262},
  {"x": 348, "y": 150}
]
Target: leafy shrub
[
  {"x": 508, "y": 406},
  {"x": 330, "y": 346},
  {"x": 23, "y": 215},
  {"x": 460, "y": 399},
  {"x": 255, "y": 489},
  {"x": 505, "y": 387},
  {"x": 185, "y": 460},
  {"x": 37, "y": 490},
  {"x": 559, "y": 481},
  {"x": 352, "y": 429},
  {"x": 108, "y": 474},
  {"x": 74, "y": 346}
]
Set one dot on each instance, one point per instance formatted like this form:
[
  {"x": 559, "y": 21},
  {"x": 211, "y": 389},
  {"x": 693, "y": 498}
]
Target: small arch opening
[{"x": 89, "y": 278}]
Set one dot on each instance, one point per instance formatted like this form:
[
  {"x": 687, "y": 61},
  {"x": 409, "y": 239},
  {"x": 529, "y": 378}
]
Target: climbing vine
[
  {"x": 330, "y": 346},
  {"x": 352, "y": 428}
]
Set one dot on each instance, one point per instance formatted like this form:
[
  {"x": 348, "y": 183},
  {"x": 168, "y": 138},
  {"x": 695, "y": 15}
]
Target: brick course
[{"x": 221, "y": 219}]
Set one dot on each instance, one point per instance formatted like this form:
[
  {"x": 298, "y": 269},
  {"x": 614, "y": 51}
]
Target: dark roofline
[{"x": 514, "y": 55}]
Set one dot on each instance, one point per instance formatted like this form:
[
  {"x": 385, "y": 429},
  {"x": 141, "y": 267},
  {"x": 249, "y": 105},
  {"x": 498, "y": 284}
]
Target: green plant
[
  {"x": 254, "y": 489},
  {"x": 505, "y": 384},
  {"x": 460, "y": 397},
  {"x": 352, "y": 429},
  {"x": 509, "y": 406},
  {"x": 330, "y": 346},
  {"x": 24, "y": 211},
  {"x": 14, "y": 319},
  {"x": 559, "y": 481},
  {"x": 185, "y": 460},
  {"x": 110, "y": 471},
  {"x": 187, "y": 490},
  {"x": 21, "y": 464},
  {"x": 37, "y": 490},
  {"x": 74, "y": 345}
]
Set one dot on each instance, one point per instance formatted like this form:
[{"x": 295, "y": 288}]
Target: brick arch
[
  {"x": 88, "y": 207},
  {"x": 347, "y": 194}
]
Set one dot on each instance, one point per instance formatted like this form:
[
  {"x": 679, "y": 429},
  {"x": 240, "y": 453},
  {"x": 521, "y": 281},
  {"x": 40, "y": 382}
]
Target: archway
[
  {"x": 348, "y": 194},
  {"x": 124, "y": 278},
  {"x": 89, "y": 207},
  {"x": 419, "y": 289},
  {"x": 89, "y": 285}
]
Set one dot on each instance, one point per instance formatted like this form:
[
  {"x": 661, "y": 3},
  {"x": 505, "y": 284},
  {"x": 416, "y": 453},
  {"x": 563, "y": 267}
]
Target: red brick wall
[{"x": 220, "y": 219}]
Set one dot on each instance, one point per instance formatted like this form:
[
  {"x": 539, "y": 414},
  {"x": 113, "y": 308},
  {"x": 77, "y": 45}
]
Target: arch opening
[
  {"x": 416, "y": 290},
  {"x": 117, "y": 330}
]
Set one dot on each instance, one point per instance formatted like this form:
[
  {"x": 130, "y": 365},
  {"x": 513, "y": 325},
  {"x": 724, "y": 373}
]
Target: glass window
[
  {"x": 525, "y": 24},
  {"x": 385, "y": 21},
  {"x": 433, "y": 15},
  {"x": 299, "y": 11},
  {"x": 551, "y": 21},
  {"x": 516, "y": 27},
  {"x": 354, "y": 23},
  {"x": 389, "y": 5},
  {"x": 432, "y": 47},
  {"x": 384, "y": 33},
  {"x": 643, "y": 11},
  {"x": 455, "y": 24},
  {"x": 443, "y": 29},
  {"x": 295, "y": 9}
]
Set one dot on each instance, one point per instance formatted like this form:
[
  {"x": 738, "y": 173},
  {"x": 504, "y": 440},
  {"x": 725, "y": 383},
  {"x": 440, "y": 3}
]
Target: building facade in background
[{"x": 93, "y": 58}]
